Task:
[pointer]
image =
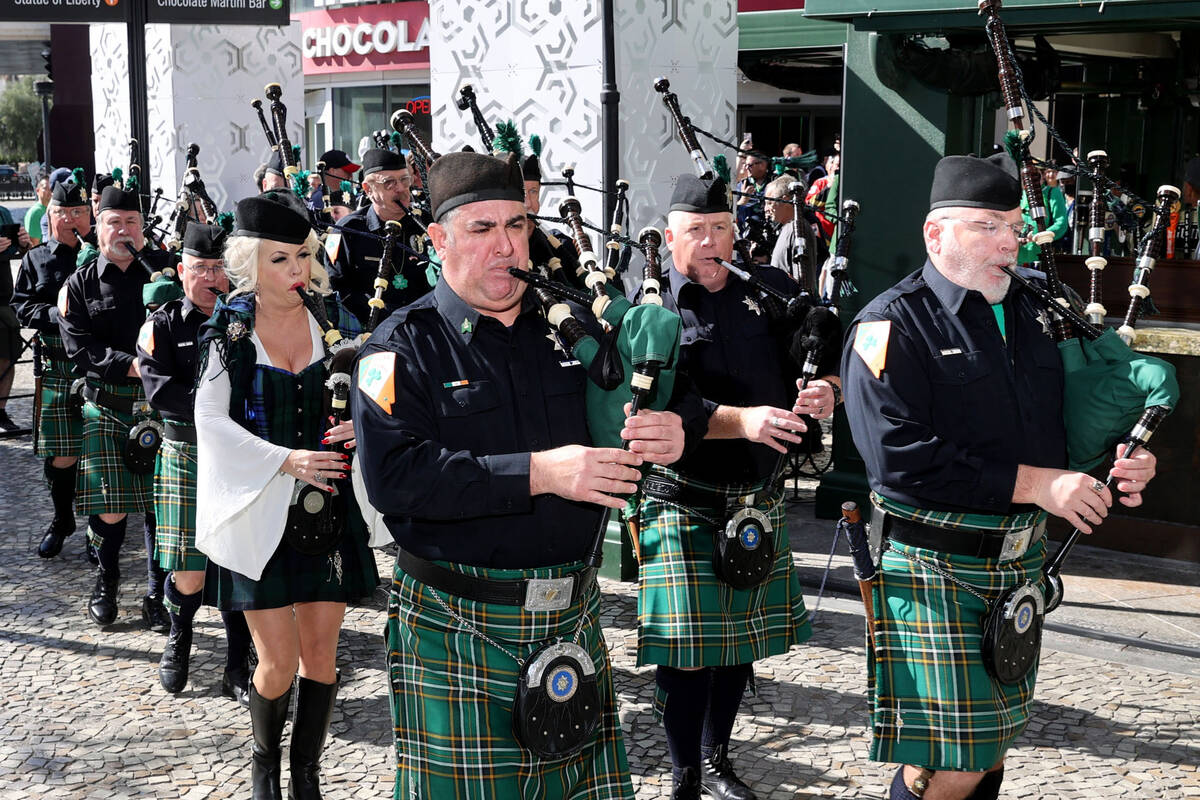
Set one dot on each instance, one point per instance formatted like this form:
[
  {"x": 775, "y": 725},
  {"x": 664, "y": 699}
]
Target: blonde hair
[{"x": 241, "y": 264}]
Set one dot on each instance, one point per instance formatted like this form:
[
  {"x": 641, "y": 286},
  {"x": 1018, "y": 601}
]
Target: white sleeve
[{"x": 241, "y": 496}]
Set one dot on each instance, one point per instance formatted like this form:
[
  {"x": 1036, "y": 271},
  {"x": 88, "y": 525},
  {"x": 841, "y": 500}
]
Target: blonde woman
[{"x": 260, "y": 429}]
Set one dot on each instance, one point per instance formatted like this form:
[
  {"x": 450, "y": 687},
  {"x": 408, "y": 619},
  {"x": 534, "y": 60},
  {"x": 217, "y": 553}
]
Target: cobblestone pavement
[{"x": 83, "y": 715}]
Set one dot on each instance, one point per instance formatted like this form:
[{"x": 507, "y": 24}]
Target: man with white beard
[
  {"x": 100, "y": 313},
  {"x": 954, "y": 395}
]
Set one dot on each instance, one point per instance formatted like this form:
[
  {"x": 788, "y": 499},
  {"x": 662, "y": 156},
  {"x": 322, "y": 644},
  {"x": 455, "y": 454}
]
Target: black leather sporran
[
  {"x": 744, "y": 552},
  {"x": 1012, "y": 633},
  {"x": 556, "y": 710}
]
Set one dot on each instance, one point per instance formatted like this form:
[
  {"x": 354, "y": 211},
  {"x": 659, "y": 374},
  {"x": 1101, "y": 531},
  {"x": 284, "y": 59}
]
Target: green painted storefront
[{"x": 895, "y": 128}]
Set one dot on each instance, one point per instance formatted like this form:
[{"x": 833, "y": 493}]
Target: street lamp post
[{"x": 45, "y": 90}]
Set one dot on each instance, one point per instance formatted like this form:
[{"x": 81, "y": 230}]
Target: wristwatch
[{"x": 837, "y": 393}]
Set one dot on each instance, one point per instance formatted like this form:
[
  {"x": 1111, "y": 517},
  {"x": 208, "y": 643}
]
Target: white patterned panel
[
  {"x": 693, "y": 43},
  {"x": 540, "y": 63},
  {"x": 537, "y": 62},
  {"x": 200, "y": 81},
  {"x": 110, "y": 95},
  {"x": 216, "y": 71}
]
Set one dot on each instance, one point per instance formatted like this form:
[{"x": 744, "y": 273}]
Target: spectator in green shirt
[
  {"x": 33, "y": 217},
  {"x": 1057, "y": 219}
]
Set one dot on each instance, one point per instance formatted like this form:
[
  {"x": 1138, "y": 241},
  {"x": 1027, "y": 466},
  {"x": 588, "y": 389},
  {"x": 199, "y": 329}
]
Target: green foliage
[{"x": 20, "y": 121}]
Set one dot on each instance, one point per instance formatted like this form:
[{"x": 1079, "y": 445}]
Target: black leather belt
[
  {"x": 660, "y": 488},
  {"x": 102, "y": 397},
  {"x": 179, "y": 433},
  {"x": 961, "y": 542},
  {"x": 534, "y": 594}
]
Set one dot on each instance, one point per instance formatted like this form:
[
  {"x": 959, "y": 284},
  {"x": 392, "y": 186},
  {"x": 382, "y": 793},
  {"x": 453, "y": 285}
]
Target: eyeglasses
[
  {"x": 68, "y": 212},
  {"x": 200, "y": 269},
  {"x": 388, "y": 184},
  {"x": 989, "y": 227}
]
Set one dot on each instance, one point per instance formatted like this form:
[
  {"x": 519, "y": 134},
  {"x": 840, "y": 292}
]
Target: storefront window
[{"x": 358, "y": 111}]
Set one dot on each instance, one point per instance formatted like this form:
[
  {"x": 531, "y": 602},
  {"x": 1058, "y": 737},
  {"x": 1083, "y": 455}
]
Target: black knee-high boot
[
  {"x": 102, "y": 607},
  {"x": 683, "y": 720},
  {"x": 314, "y": 709},
  {"x": 182, "y": 608},
  {"x": 724, "y": 698},
  {"x": 266, "y": 719},
  {"x": 61, "y": 481}
]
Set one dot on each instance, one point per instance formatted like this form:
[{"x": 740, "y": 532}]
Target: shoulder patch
[
  {"x": 145, "y": 338},
  {"x": 871, "y": 342},
  {"x": 377, "y": 378},
  {"x": 62, "y": 300},
  {"x": 333, "y": 244}
]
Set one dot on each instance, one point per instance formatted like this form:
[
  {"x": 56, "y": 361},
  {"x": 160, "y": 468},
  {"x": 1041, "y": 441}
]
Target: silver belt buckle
[
  {"x": 548, "y": 594},
  {"x": 1016, "y": 543}
]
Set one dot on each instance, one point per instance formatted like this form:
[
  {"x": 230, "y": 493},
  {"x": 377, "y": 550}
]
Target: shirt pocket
[
  {"x": 101, "y": 307},
  {"x": 466, "y": 414},
  {"x": 963, "y": 388},
  {"x": 565, "y": 390}
]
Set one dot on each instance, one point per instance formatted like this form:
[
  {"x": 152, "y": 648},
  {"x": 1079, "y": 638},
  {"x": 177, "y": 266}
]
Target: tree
[{"x": 20, "y": 121}]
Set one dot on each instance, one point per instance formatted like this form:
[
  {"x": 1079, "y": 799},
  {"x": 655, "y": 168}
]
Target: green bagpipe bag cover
[{"x": 1106, "y": 387}]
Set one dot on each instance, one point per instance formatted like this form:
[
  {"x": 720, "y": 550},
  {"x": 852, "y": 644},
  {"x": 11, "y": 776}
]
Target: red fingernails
[
  {"x": 325, "y": 440},
  {"x": 346, "y": 445}
]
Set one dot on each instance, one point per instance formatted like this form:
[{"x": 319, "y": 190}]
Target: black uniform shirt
[
  {"x": 168, "y": 368},
  {"x": 449, "y": 465},
  {"x": 353, "y": 272},
  {"x": 104, "y": 314},
  {"x": 956, "y": 407},
  {"x": 43, "y": 271},
  {"x": 733, "y": 359}
]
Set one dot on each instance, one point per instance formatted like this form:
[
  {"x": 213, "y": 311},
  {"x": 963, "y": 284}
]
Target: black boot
[
  {"x": 235, "y": 684},
  {"x": 687, "y": 785},
  {"x": 154, "y": 614},
  {"x": 52, "y": 543},
  {"x": 176, "y": 657},
  {"x": 102, "y": 607},
  {"x": 182, "y": 608},
  {"x": 314, "y": 708},
  {"x": 719, "y": 779},
  {"x": 61, "y": 481},
  {"x": 266, "y": 719}
]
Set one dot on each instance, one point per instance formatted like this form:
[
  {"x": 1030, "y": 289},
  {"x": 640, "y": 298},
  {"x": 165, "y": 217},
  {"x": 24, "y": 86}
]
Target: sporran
[
  {"x": 141, "y": 446},
  {"x": 1012, "y": 633},
  {"x": 744, "y": 552}
]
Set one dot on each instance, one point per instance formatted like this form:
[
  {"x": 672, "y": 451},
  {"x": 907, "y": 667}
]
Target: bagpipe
[
  {"x": 315, "y": 520},
  {"x": 468, "y": 101},
  {"x": 1111, "y": 394},
  {"x": 277, "y": 137}
]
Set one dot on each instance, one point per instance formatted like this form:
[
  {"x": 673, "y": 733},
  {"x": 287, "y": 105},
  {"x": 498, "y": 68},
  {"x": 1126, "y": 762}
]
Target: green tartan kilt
[
  {"x": 347, "y": 573},
  {"x": 175, "y": 507},
  {"x": 452, "y": 696},
  {"x": 104, "y": 485},
  {"x": 60, "y": 424},
  {"x": 933, "y": 703},
  {"x": 687, "y": 616}
]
